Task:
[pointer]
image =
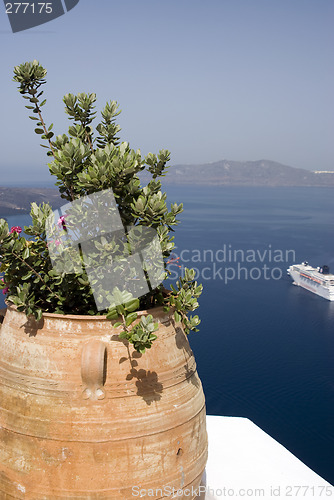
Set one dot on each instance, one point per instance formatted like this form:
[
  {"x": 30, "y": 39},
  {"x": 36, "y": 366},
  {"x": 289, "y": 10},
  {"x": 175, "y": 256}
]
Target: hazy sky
[{"x": 208, "y": 80}]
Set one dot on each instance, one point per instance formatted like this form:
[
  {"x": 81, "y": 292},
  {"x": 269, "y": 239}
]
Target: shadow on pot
[{"x": 148, "y": 386}]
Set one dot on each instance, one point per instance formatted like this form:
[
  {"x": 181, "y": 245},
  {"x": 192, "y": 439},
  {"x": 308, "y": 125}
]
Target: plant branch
[
  {"x": 70, "y": 192},
  {"x": 124, "y": 324},
  {"x": 36, "y": 273},
  {"x": 44, "y": 127},
  {"x": 89, "y": 141}
]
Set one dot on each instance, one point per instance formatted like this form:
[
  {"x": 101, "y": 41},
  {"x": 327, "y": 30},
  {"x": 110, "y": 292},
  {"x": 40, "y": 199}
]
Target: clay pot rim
[{"x": 155, "y": 311}]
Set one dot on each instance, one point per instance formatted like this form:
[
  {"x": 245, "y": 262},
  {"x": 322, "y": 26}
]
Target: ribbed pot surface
[{"x": 83, "y": 415}]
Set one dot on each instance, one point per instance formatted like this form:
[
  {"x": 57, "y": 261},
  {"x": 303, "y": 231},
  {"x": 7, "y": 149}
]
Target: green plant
[{"x": 84, "y": 163}]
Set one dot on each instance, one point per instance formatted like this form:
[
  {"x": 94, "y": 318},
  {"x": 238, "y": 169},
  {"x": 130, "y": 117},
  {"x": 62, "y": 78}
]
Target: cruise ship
[{"x": 317, "y": 280}]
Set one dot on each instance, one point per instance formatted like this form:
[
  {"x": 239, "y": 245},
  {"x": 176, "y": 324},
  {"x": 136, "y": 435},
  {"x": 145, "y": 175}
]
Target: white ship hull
[{"x": 314, "y": 287}]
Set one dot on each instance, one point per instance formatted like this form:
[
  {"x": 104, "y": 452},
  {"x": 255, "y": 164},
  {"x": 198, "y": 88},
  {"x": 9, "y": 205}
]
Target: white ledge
[{"x": 245, "y": 462}]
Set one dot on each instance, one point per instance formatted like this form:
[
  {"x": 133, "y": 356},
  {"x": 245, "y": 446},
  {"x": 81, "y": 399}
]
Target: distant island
[
  {"x": 248, "y": 173},
  {"x": 222, "y": 173},
  {"x": 16, "y": 201}
]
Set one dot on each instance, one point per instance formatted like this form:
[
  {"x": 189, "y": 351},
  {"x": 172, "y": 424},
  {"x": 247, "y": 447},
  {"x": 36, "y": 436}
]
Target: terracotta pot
[{"x": 83, "y": 415}]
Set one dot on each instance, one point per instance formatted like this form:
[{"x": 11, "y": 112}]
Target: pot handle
[{"x": 94, "y": 369}]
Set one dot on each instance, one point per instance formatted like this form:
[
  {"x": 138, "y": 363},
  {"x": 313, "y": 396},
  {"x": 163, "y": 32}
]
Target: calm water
[{"x": 265, "y": 350}]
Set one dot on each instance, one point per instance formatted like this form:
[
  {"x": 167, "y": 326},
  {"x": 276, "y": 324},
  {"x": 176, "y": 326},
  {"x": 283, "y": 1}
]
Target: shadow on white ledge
[{"x": 245, "y": 462}]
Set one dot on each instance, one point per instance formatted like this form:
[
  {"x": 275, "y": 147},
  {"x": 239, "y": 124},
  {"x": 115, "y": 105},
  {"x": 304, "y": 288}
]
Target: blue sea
[{"x": 265, "y": 349}]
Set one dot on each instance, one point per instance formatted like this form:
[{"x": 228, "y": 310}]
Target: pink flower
[
  {"x": 16, "y": 229},
  {"x": 55, "y": 242},
  {"x": 174, "y": 261},
  {"x": 6, "y": 289},
  {"x": 61, "y": 222}
]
